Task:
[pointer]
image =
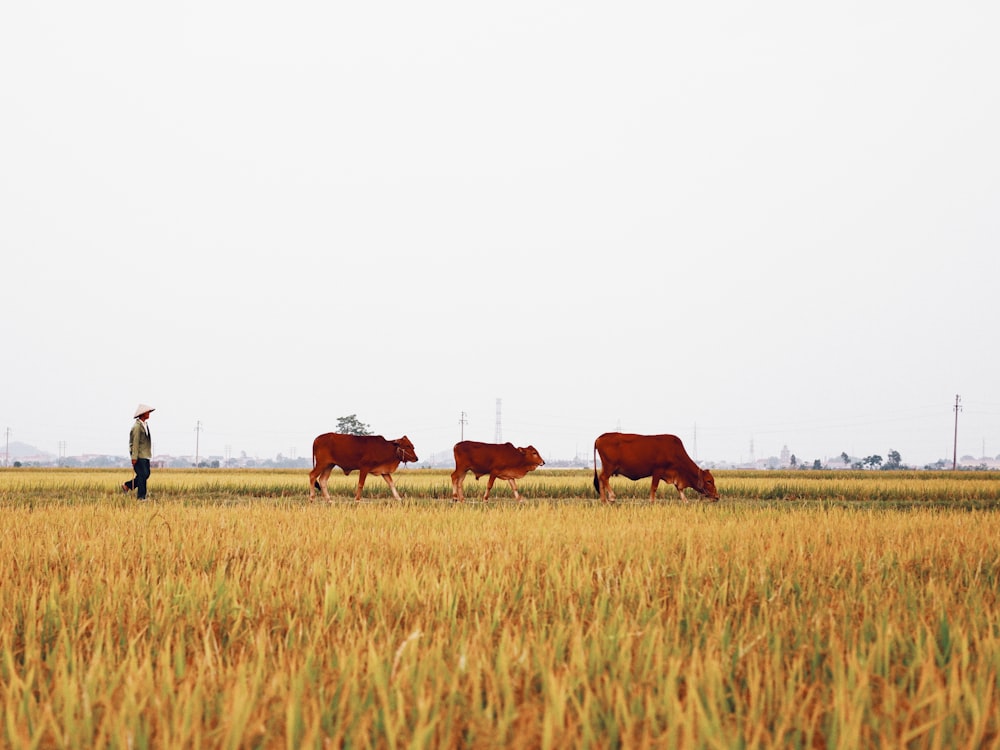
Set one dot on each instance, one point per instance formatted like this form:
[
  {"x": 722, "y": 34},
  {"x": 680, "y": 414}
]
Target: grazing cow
[
  {"x": 499, "y": 461},
  {"x": 369, "y": 454},
  {"x": 661, "y": 457}
]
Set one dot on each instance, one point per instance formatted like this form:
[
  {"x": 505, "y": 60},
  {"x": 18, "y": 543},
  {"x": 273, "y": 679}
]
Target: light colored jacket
[{"x": 140, "y": 444}]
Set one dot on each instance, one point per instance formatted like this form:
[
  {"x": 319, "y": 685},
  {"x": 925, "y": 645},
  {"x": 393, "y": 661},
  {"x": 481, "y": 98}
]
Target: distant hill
[{"x": 23, "y": 450}]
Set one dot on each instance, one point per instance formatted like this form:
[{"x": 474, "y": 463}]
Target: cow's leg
[
  {"x": 680, "y": 491},
  {"x": 363, "y": 475},
  {"x": 654, "y": 483},
  {"x": 313, "y": 478},
  {"x": 457, "y": 491},
  {"x": 318, "y": 477},
  {"x": 513, "y": 486},
  {"x": 321, "y": 479},
  {"x": 392, "y": 485},
  {"x": 489, "y": 486},
  {"x": 607, "y": 494}
]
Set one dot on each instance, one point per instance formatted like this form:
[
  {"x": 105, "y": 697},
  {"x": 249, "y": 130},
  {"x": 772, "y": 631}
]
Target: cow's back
[
  {"x": 485, "y": 457},
  {"x": 637, "y": 456},
  {"x": 351, "y": 451}
]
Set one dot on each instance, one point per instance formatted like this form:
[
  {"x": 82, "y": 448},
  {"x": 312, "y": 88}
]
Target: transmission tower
[
  {"x": 498, "y": 436},
  {"x": 197, "y": 440},
  {"x": 954, "y": 455}
]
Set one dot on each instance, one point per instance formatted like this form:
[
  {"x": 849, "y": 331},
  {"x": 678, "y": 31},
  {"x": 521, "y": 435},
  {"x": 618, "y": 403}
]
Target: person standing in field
[{"x": 140, "y": 448}]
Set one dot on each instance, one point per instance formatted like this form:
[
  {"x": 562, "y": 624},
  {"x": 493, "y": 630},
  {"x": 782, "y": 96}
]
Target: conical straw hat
[{"x": 142, "y": 409}]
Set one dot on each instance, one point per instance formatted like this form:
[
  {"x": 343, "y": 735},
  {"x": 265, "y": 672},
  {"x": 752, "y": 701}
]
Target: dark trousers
[{"x": 138, "y": 483}]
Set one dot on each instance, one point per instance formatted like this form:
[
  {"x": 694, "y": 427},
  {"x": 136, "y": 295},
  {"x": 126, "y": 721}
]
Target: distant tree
[
  {"x": 845, "y": 458},
  {"x": 793, "y": 461},
  {"x": 351, "y": 425},
  {"x": 17, "y": 464},
  {"x": 873, "y": 462},
  {"x": 894, "y": 461},
  {"x": 817, "y": 464}
]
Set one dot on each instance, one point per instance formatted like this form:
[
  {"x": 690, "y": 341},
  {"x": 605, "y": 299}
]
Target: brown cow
[
  {"x": 661, "y": 457},
  {"x": 499, "y": 461},
  {"x": 369, "y": 454}
]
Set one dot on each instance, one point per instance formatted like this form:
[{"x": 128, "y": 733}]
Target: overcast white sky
[{"x": 774, "y": 222}]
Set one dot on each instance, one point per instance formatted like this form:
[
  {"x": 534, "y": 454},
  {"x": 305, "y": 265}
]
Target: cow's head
[
  {"x": 531, "y": 455},
  {"x": 706, "y": 485},
  {"x": 404, "y": 450}
]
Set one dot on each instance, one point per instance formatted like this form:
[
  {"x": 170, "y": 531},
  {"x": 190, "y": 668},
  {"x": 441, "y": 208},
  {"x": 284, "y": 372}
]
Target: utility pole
[
  {"x": 197, "y": 435},
  {"x": 954, "y": 455},
  {"x": 462, "y": 420}
]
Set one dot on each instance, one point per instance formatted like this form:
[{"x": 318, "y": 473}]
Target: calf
[{"x": 499, "y": 461}]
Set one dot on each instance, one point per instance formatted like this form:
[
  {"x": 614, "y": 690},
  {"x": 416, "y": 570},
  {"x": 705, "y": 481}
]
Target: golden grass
[
  {"x": 972, "y": 489},
  {"x": 234, "y": 614}
]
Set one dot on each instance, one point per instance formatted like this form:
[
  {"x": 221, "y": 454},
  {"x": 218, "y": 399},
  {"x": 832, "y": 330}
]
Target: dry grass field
[{"x": 807, "y": 609}]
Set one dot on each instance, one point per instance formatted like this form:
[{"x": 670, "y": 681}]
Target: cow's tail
[{"x": 597, "y": 482}]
